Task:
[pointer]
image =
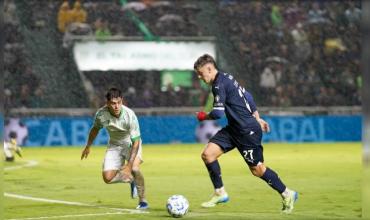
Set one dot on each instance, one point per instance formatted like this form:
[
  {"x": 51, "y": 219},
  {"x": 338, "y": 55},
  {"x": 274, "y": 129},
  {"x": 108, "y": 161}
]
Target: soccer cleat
[
  {"x": 288, "y": 202},
  {"x": 215, "y": 200},
  {"x": 143, "y": 205},
  {"x": 133, "y": 190}
]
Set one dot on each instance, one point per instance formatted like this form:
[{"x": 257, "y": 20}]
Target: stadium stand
[{"x": 288, "y": 53}]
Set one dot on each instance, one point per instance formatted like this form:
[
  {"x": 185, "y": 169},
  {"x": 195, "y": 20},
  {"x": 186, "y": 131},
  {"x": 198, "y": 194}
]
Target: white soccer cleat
[
  {"x": 288, "y": 202},
  {"x": 215, "y": 200}
]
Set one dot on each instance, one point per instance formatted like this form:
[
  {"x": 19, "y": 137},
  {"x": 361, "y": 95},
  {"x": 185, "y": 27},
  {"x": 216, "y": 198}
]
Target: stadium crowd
[
  {"x": 301, "y": 53},
  {"x": 21, "y": 86}
]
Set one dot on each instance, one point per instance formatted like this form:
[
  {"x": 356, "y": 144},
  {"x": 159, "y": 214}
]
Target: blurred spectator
[
  {"x": 353, "y": 14},
  {"x": 333, "y": 44},
  {"x": 78, "y": 14},
  {"x": 293, "y": 14},
  {"x": 316, "y": 14},
  {"x": 102, "y": 31},
  {"x": 323, "y": 97},
  {"x": 277, "y": 19},
  {"x": 36, "y": 100},
  {"x": 10, "y": 13},
  {"x": 166, "y": 23},
  {"x": 64, "y": 16},
  {"x": 282, "y": 97},
  {"x": 147, "y": 97},
  {"x": 197, "y": 95},
  {"x": 75, "y": 30},
  {"x": 267, "y": 83},
  {"x": 137, "y": 6},
  {"x": 24, "y": 99},
  {"x": 170, "y": 96},
  {"x": 130, "y": 96},
  {"x": 268, "y": 79},
  {"x": 302, "y": 46},
  {"x": 29, "y": 78}
]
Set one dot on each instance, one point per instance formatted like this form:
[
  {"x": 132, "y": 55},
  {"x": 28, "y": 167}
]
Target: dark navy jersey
[{"x": 233, "y": 100}]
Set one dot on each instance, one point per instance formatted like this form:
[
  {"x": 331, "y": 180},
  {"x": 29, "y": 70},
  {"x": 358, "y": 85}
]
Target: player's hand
[
  {"x": 85, "y": 152},
  {"x": 264, "y": 125},
  {"x": 201, "y": 116},
  {"x": 126, "y": 173}
]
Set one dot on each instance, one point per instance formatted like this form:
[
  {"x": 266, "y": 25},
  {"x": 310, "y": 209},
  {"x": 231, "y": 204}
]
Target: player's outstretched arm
[
  {"x": 264, "y": 125},
  {"x": 92, "y": 135}
]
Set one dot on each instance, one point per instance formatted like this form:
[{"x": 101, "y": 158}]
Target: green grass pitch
[{"x": 327, "y": 176}]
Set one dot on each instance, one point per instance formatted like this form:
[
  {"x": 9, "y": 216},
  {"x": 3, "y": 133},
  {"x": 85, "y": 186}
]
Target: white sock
[
  {"x": 286, "y": 193},
  {"x": 220, "y": 191}
]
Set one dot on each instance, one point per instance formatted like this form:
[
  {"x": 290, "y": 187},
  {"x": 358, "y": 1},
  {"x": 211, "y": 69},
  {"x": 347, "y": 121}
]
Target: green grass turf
[{"x": 326, "y": 175}]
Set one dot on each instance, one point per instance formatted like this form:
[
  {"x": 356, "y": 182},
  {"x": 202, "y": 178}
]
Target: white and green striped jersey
[{"x": 122, "y": 130}]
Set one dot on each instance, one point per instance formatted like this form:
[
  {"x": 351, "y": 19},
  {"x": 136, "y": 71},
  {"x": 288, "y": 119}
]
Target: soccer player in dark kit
[{"x": 244, "y": 132}]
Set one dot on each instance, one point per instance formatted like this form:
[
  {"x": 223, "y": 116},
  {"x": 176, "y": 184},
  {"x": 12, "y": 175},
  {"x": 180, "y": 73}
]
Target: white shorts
[{"x": 115, "y": 157}]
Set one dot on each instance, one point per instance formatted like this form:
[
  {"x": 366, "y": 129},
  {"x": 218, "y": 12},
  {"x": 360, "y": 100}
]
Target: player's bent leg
[
  {"x": 114, "y": 176},
  {"x": 108, "y": 175},
  {"x": 273, "y": 180},
  {"x": 258, "y": 170},
  {"x": 209, "y": 156},
  {"x": 211, "y": 152}
]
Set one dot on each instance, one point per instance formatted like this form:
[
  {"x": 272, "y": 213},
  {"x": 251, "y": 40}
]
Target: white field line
[
  {"x": 71, "y": 216},
  {"x": 30, "y": 163},
  {"x": 131, "y": 211}
]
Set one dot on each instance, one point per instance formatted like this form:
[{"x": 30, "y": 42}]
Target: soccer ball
[
  {"x": 177, "y": 206},
  {"x": 206, "y": 130}
]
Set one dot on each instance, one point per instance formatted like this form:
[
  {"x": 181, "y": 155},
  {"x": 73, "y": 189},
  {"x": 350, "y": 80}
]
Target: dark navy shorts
[{"x": 248, "y": 143}]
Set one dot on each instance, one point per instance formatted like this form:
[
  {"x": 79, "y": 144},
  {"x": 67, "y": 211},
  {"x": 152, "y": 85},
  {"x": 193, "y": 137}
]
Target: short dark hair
[
  {"x": 113, "y": 93},
  {"x": 203, "y": 60}
]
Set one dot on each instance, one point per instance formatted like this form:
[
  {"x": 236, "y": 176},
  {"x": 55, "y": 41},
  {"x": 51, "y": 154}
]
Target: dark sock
[
  {"x": 214, "y": 171},
  {"x": 271, "y": 178}
]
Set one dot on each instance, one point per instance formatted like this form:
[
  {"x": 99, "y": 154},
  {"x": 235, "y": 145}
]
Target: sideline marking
[
  {"x": 30, "y": 163},
  {"x": 70, "y": 216},
  {"x": 131, "y": 211}
]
